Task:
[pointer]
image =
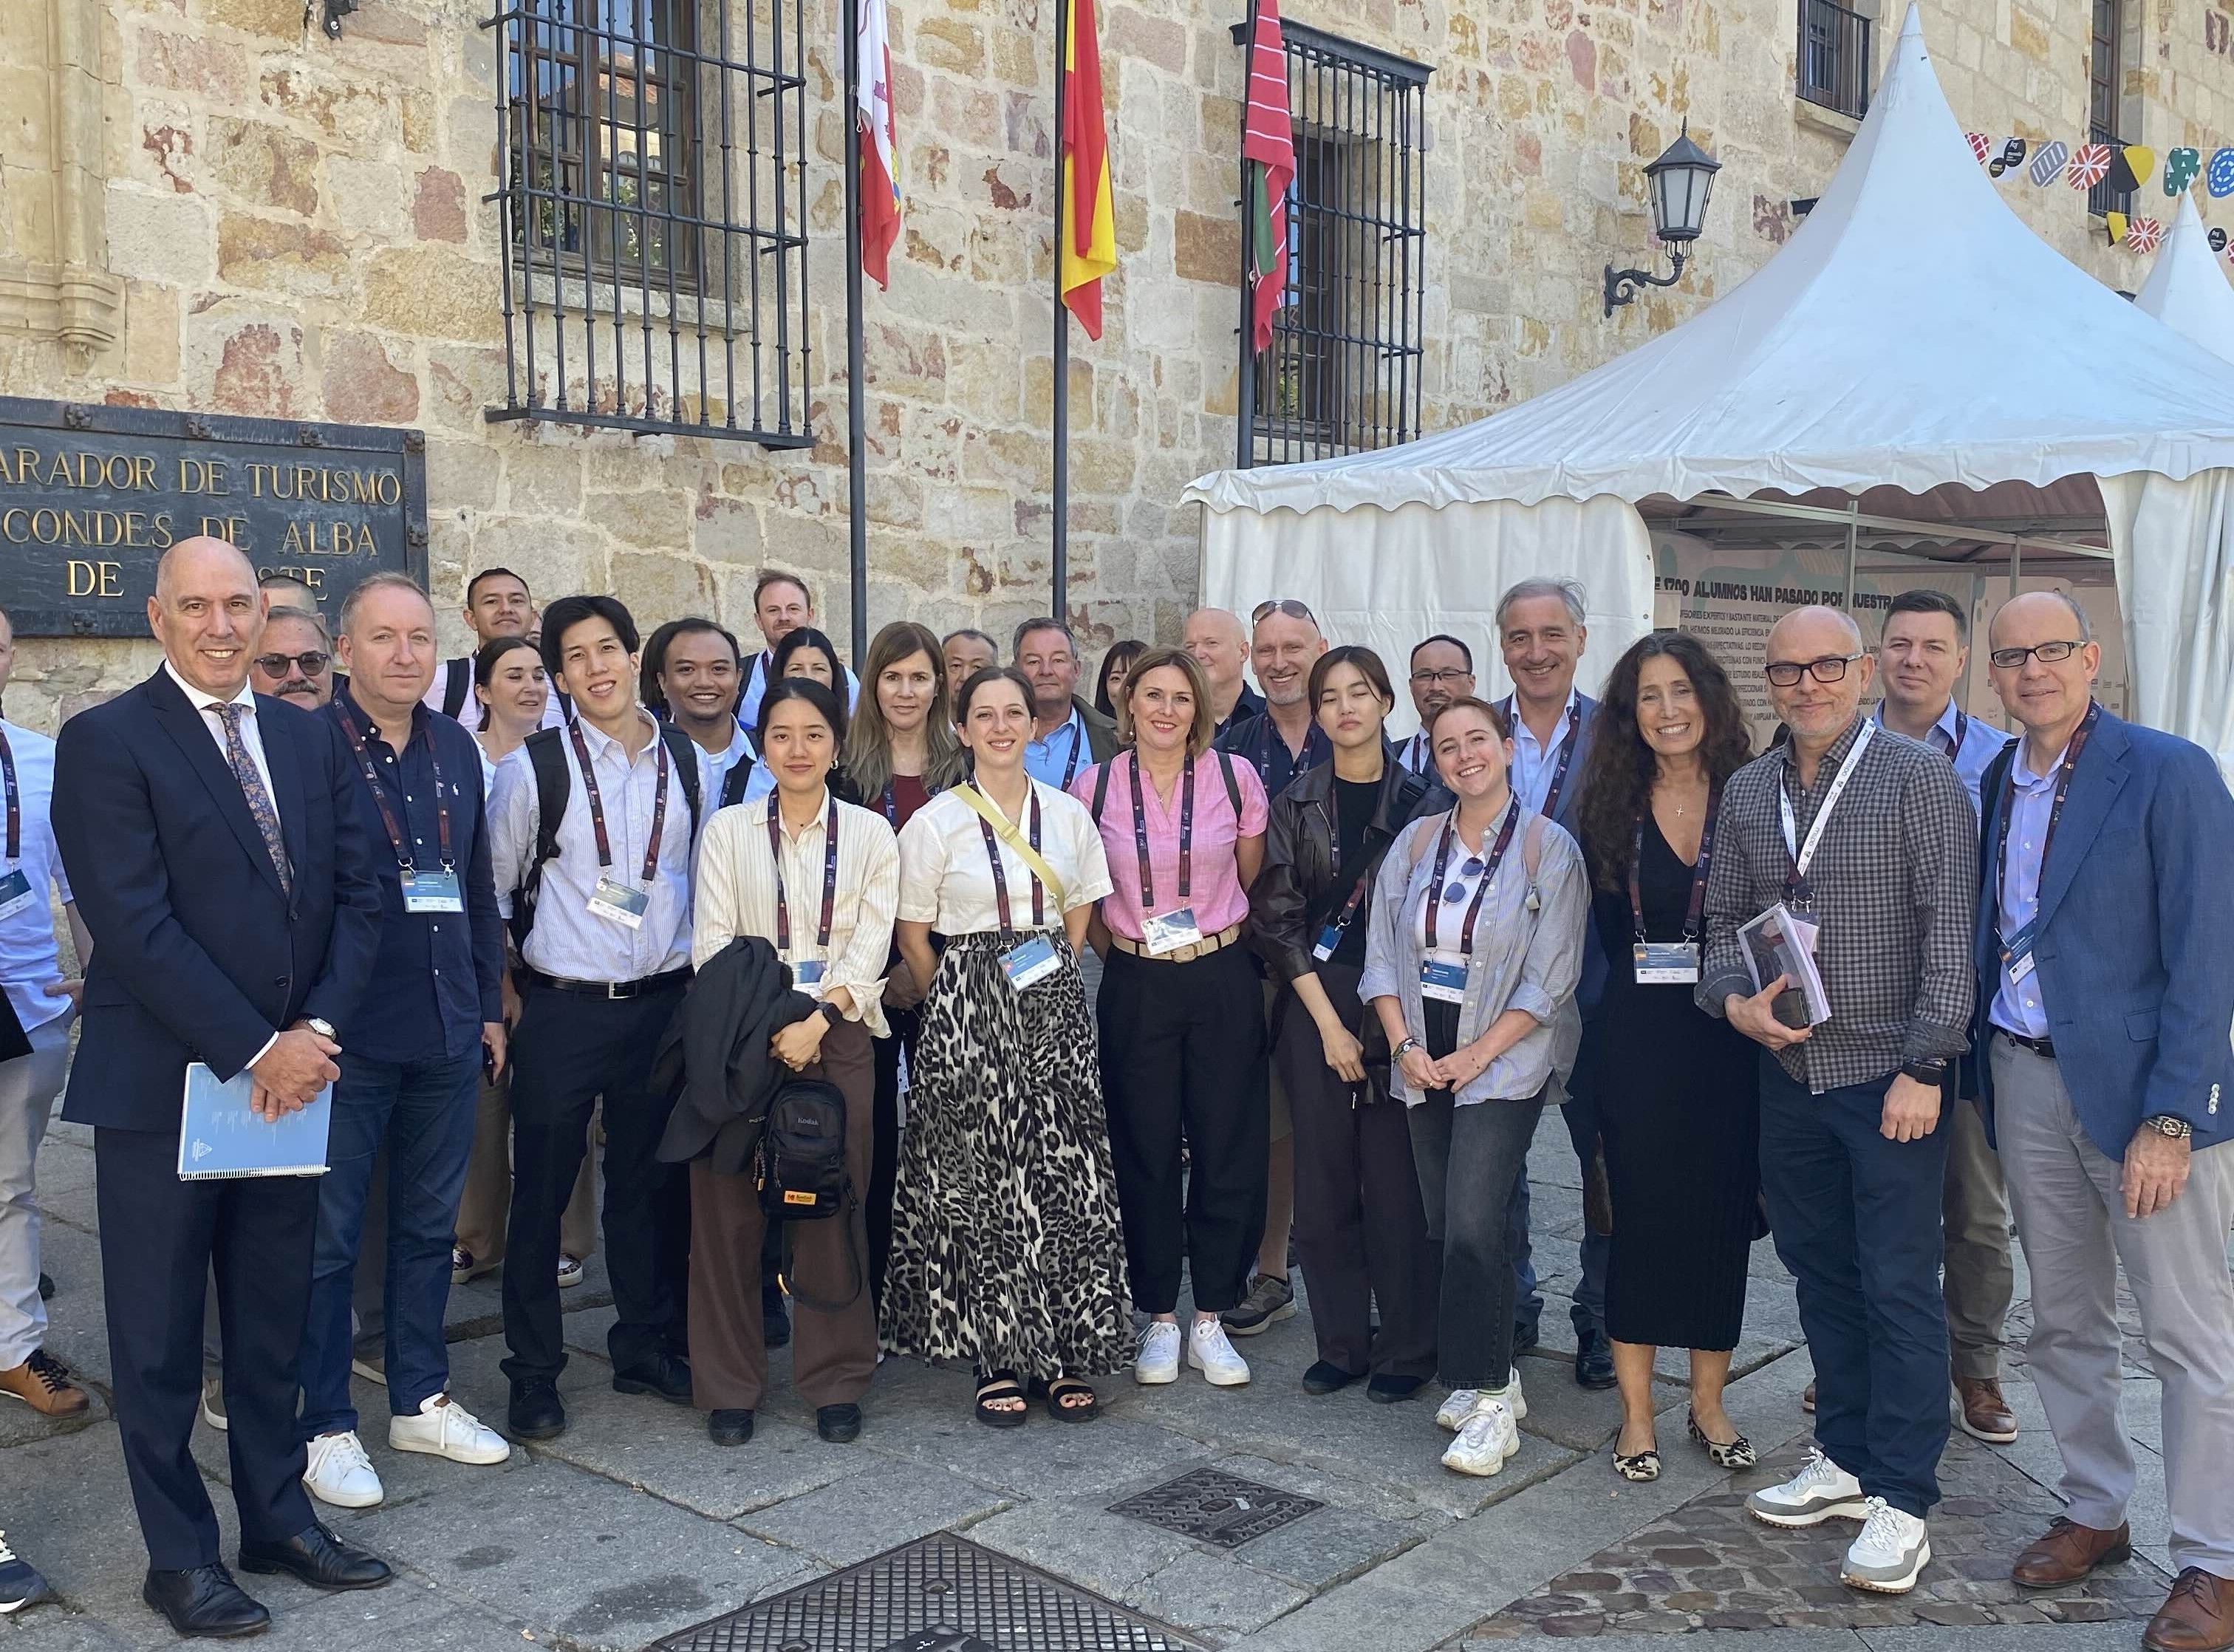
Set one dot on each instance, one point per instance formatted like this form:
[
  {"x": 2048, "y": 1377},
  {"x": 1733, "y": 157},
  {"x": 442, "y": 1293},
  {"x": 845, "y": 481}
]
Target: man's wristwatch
[
  {"x": 1925, "y": 1072},
  {"x": 321, "y": 1026},
  {"x": 2166, "y": 1125}
]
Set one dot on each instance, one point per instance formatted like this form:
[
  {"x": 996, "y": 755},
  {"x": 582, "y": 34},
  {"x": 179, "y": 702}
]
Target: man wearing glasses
[
  {"x": 2106, "y": 988},
  {"x": 296, "y": 661},
  {"x": 1442, "y": 670},
  {"x": 1869, "y": 835}
]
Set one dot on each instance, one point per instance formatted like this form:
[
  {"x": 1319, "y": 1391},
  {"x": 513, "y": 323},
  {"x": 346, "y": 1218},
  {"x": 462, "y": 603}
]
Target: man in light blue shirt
[{"x": 1069, "y": 736}]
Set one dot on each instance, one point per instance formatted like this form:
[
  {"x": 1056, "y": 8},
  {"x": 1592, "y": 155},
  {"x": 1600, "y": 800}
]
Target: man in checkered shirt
[{"x": 1871, "y": 836}]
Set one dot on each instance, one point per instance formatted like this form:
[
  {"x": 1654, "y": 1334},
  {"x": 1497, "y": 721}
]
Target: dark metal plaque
[
  {"x": 92, "y": 495},
  {"x": 938, "y": 1594},
  {"x": 1216, "y": 1508}
]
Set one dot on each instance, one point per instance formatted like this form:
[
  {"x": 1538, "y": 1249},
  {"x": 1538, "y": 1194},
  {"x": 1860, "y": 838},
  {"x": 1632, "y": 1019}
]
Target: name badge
[
  {"x": 807, "y": 977},
  {"x": 1443, "y": 977},
  {"x": 432, "y": 891},
  {"x": 622, "y": 904},
  {"x": 16, "y": 892},
  {"x": 1666, "y": 963},
  {"x": 1330, "y": 938},
  {"x": 1170, "y": 931},
  {"x": 2017, "y": 952},
  {"x": 1028, "y": 962}
]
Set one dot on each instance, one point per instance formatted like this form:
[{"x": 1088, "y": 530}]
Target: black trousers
[
  {"x": 1183, "y": 1056},
  {"x": 570, "y": 1047},
  {"x": 160, "y": 1238},
  {"x": 885, "y": 1143},
  {"x": 1360, "y": 1230}
]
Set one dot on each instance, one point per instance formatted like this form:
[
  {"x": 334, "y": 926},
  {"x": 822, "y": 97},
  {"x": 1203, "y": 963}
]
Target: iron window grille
[
  {"x": 1834, "y": 57},
  {"x": 653, "y": 211},
  {"x": 2105, "y": 83},
  {"x": 1343, "y": 371}
]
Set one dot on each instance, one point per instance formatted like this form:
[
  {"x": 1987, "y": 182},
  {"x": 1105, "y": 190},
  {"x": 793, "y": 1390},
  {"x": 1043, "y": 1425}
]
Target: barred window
[
  {"x": 2106, "y": 81},
  {"x": 1835, "y": 56},
  {"x": 1343, "y": 371},
  {"x": 654, "y": 216}
]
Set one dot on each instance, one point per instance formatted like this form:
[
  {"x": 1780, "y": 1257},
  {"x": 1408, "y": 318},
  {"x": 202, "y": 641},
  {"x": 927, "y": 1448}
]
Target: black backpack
[
  {"x": 554, "y": 782},
  {"x": 801, "y": 1172}
]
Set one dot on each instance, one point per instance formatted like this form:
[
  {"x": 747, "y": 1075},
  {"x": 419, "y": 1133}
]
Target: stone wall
[{"x": 297, "y": 226}]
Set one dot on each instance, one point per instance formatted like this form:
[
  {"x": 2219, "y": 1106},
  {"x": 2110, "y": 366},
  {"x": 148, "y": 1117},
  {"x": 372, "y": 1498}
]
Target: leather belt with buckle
[
  {"x": 616, "y": 990},
  {"x": 1201, "y": 949},
  {"x": 2038, "y": 1046}
]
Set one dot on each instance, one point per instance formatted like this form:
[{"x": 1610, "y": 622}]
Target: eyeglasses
[
  {"x": 1452, "y": 674},
  {"x": 1830, "y": 669},
  {"x": 309, "y": 661},
  {"x": 2013, "y": 659},
  {"x": 1473, "y": 867},
  {"x": 1287, "y": 605}
]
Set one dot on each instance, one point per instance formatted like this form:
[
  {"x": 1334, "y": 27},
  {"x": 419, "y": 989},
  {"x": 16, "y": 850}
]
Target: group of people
[{"x": 947, "y": 1012}]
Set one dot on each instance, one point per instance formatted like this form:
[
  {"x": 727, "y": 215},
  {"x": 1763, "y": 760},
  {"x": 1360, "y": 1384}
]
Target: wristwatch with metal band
[
  {"x": 319, "y": 1025},
  {"x": 2164, "y": 1125}
]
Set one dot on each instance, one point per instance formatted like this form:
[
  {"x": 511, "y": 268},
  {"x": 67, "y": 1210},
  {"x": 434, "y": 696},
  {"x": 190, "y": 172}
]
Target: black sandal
[
  {"x": 1000, "y": 1385},
  {"x": 1052, "y": 1393}
]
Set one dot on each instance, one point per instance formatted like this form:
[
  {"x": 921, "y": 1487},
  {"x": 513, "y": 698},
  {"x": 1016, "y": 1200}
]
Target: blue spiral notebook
[{"x": 219, "y": 1135}]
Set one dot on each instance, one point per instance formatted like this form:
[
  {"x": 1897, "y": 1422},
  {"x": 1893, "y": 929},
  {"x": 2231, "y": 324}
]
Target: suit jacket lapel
[
  {"x": 2094, "y": 787},
  {"x": 194, "y": 736}
]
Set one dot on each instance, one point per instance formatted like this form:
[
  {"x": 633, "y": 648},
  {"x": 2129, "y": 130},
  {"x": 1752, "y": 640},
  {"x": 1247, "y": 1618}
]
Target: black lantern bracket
[
  {"x": 1679, "y": 185},
  {"x": 1622, "y": 286}
]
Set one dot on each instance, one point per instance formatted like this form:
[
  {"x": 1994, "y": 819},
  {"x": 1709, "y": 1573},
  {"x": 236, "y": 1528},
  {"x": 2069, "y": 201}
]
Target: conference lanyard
[
  {"x": 1481, "y": 889},
  {"x": 2063, "y": 773},
  {"x": 891, "y": 801},
  {"x": 14, "y": 801},
  {"x": 1566, "y": 751},
  {"x": 1001, "y": 878},
  {"x": 371, "y": 771},
  {"x": 1077, "y": 746},
  {"x": 1802, "y": 855},
  {"x": 1698, "y": 902},
  {"x": 829, "y": 879},
  {"x": 1187, "y": 838},
  {"x": 1331, "y": 932},
  {"x": 598, "y": 803}
]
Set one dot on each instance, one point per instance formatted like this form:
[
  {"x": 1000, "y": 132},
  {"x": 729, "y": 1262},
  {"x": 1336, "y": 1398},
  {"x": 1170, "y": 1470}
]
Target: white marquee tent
[
  {"x": 2187, "y": 290},
  {"x": 1915, "y": 352}
]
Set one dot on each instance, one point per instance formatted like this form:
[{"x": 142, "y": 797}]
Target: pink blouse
[{"x": 1213, "y": 884}]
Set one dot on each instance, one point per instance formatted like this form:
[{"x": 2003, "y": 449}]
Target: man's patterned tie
[{"x": 259, "y": 800}]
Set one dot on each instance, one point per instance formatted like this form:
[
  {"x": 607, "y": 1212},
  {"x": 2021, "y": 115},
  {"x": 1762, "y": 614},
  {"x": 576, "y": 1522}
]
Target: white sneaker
[
  {"x": 340, "y": 1473},
  {"x": 1158, "y": 1359},
  {"x": 445, "y": 1428},
  {"x": 1486, "y": 1440},
  {"x": 1893, "y": 1549},
  {"x": 1211, "y": 1353},
  {"x": 1822, "y": 1491},
  {"x": 1462, "y": 1403},
  {"x": 213, "y": 1404},
  {"x": 569, "y": 1271}
]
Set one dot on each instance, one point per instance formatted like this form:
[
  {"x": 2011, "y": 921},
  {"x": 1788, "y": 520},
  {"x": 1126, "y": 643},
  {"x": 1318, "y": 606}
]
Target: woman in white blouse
[
  {"x": 818, "y": 879},
  {"x": 1006, "y": 1247}
]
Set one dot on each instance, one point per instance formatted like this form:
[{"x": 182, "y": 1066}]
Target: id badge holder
[
  {"x": 1443, "y": 977},
  {"x": 1028, "y": 962},
  {"x": 432, "y": 891},
  {"x": 1666, "y": 963},
  {"x": 620, "y": 903},
  {"x": 807, "y": 977},
  {"x": 16, "y": 892},
  {"x": 1169, "y": 931},
  {"x": 2017, "y": 952},
  {"x": 1330, "y": 938}
]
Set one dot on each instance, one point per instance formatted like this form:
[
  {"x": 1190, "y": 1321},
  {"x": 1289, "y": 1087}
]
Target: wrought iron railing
[
  {"x": 1834, "y": 57},
  {"x": 2107, "y": 196}
]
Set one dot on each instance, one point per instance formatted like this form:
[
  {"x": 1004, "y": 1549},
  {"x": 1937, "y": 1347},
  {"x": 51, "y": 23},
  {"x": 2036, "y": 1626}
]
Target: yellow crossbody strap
[{"x": 1007, "y": 833}]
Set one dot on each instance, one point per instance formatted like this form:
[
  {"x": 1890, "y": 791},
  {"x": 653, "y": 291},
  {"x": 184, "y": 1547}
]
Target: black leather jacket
[{"x": 1287, "y": 901}]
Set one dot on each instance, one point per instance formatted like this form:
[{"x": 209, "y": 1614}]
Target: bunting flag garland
[
  {"x": 1268, "y": 147},
  {"x": 2011, "y": 158},
  {"x": 2218, "y": 239},
  {"x": 880, "y": 189},
  {"x": 2116, "y": 169},
  {"x": 2130, "y": 167},
  {"x": 2114, "y": 226},
  {"x": 1087, "y": 245},
  {"x": 2090, "y": 165},
  {"x": 1981, "y": 145},
  {"x": 2219, "y": 180},
  {"x": 2143, "y": 234},
  {"x": 2048, "y": 164},
  {"x": 2180, "y": 168}
]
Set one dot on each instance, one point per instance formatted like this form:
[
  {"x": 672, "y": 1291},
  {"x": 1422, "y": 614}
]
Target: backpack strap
[
  {"x": 1531, "y": 847},
  {"x": 1101, "y": 786},
  {"x": 1232, "y": 786},
  {"x": 554, "y": 784},
  {"x": 457, "y": 686},
  {"x": 733, "y": 783},
  {"x": 682, "y": 751}
]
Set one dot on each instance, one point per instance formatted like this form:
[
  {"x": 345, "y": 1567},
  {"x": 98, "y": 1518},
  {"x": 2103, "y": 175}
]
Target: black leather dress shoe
[
  {"x": 315, "y": 1556},
  {"x": 665, "y": 1374},
  {"x": 536, "y": 1411},
  {"x": 1593, "y": 1359},
  {"x": 1388, "y": 1389},
  {"x": 730, "y": 1427},
  {"x": 205, "y": 1603},
  {"x": 1526, "y": 1335},
  {"x": 1326, "y": 1377},
  {"x": 839, "y": 1425}
]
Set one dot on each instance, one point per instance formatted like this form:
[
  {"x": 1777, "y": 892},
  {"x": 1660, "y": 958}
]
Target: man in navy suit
[
  {"x": 213, "y": 841},
  {"x": 2105, "y": 950}
]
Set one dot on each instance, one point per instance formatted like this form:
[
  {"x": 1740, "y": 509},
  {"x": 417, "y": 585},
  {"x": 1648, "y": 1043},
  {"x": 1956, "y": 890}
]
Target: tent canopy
[
  {"x": 2187, "y": 290},
  {"x": 1913, "y": 333}
]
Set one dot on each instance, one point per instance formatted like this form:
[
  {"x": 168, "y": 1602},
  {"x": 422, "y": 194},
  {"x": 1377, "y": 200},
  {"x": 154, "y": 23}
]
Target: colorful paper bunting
[
  {"x": 1981, "y": 145},
  {"x": 2220, "y": 178},
  {"x": 2048, "y": 164},
  {"x": 2011, "y": 158},
  {"x": 2218, "y": 239},
  {"x": 2180, "y": 167},
  {"x": 2143, "y": 234},
  {"x": 2090, "y": 165},
  {"x": 2130, "y": 167},
  {"x": 2113, "y": 226}
]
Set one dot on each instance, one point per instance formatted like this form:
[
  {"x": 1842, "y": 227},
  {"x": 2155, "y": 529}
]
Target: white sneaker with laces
[
  {"x": 1158, "y": 1359},
  {"x": 1211, "y": 1353},
  {"x": 1822, "y": 1490},
  {"x": 1462, "y": 1403},
  {"x": 1892, "y": 1551},
  {"x": 340, "y": 1473},
  {"x": 445, "y": 1428},
  {"x": 569, "y": 1271},
  {"x": 1486, "y": 1440}
]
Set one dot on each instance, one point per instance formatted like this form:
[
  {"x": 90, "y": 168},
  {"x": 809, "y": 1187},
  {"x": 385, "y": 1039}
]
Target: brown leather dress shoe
[
  {"x": 42, "y": 1382},
  {"x": 2069, "y": 1551},
  {"x": 2196, "y": 1617},
  {"x": 1984, "y": 1415}
]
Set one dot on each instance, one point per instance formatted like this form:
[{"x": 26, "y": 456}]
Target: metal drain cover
[
  {"x": 1215, "y": 1508},
  {"x": 938, "y": 1594}
]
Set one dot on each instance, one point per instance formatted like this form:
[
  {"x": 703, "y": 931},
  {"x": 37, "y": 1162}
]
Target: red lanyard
[
  {"x": 14, "y": 800},
  {"x": 999, "y": 877},
  {"x": 598, "y": 803},
  {"x": 2063, "y": 772},
  {"x": 371, "y": 773},
  {"x": 1481, "y": 889},
  {"x": 1698, "y": 873},
  {"x": 1187, "y": 838},
  {"x": 829, "y": 877}
]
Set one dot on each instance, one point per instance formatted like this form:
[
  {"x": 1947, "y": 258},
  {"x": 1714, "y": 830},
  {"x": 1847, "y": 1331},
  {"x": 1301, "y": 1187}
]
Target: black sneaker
[
  {"x": 20, "y": 1584},
  {"x": 1269, "y": 1300},
  {"x": 536, "y": 1411},
  {"x": 667, "y": 1375}
]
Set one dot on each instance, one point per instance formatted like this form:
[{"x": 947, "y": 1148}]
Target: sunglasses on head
[{"x": 1287, "y": 605}]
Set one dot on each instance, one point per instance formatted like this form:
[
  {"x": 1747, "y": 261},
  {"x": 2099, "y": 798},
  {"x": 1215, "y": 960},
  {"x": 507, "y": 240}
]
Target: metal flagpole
[
  {"x": 1061, "y": 565},
  {"x": 857, "y": 480}
]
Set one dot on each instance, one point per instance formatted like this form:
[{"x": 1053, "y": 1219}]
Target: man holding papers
[
  {"x": 1868, "y": 837},
  {"x": 212, "y": 838}
]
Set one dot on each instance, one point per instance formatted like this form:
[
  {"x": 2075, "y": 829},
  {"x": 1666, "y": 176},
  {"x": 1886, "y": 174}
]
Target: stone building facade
[{"x": 206, "y": 206}]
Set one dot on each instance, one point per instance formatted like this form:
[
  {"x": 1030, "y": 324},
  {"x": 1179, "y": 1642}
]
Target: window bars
[
  {"x": 2105, "y": 99},
  {"x": 654, "y": 216},
  {"x": 1834, "y": 57},
  {"x": 1342, "y": 372}
]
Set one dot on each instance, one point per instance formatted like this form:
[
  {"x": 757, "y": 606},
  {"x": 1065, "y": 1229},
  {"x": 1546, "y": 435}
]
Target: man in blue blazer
[
  {"x": 2105, "y": 949},
  {"x": 212, "y": 838}
]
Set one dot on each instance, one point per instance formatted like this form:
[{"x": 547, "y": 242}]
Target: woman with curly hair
[{"x": 1678, "y": 1096}]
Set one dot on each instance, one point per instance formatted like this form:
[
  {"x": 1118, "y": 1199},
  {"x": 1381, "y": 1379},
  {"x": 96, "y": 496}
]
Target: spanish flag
[{"x": 1088, "y": 237}]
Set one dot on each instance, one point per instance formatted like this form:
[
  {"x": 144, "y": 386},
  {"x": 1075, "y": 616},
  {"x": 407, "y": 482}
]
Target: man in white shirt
[
  {"x": 782, "y": 604},
  {"x": 497, "y": 604},
  {"x": 699, "y": 678},
  {"x": 1442, "y": 670},
  {"x": 604, "y": 965},
  {"x": 43, "y": 1003}
]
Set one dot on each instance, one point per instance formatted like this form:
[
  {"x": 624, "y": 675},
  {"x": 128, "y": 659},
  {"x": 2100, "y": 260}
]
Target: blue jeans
[{"x": 425, "y": 1109}]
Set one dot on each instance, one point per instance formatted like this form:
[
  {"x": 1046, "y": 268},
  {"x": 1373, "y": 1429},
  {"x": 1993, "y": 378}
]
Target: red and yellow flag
[
  {"x": 1087, "y": 239},
  {"x": 1268, "y": 145}
]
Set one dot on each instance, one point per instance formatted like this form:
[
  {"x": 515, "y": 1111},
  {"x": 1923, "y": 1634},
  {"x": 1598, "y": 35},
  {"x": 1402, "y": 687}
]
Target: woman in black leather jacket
[{"x": 1361, "y": 1232}]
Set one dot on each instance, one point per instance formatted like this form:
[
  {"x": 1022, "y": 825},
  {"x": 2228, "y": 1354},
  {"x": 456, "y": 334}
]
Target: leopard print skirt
[{"x": 1007, "y": 1252}]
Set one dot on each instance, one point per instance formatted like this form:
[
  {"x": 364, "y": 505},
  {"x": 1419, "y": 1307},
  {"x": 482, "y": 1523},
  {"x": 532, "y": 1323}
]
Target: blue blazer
[
  {"x": 2135, "y": 946},
  {"x": 197, "y": 955},
  {"x": 1592, "y": 988}
]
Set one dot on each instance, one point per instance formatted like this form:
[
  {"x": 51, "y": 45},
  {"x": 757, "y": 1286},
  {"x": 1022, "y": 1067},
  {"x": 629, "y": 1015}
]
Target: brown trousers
[
  {"x": 834, "y": 1350},
  {"x": 486, "y": 1205}
]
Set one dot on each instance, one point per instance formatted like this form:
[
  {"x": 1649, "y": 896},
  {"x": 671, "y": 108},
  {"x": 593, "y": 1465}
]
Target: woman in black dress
[{"x": 1678, "y": 1095}]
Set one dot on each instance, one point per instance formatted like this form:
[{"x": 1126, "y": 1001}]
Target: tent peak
[{"x": 1912, "y": 24}]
